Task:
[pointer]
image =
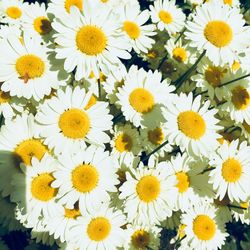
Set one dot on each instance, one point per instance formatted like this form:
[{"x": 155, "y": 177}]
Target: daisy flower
[
  {"x": 86, "y": 177},
  {"x": 11, "y": 11},
  {"x": 149, "y": 194},
  {"x": 32, "y": 189},
  {"x": 67, "y": 125},
  {"x": 90, "y": 41},
  {"x": 18, "y": 146},
  {"x": 99, "y": 230},
  {"x": 132, "y": 23},
  {"x": 203, "y": 229},
  {"x": 125, "y": 144},
  {"x": 6, "y": 31},
  {"x": 219, "y": 30},
  {"x": 192, "y": 125},
  {"x": 141, "y": 237},
  {"x": 25, "y": 69},
  {"x": 231, "y": 171},
  {"x": 142, "y": 95},
  {"x": 35, "y": 20},
  {"x": 167, "y": 16},
  {"x": 153, "y": 137}
]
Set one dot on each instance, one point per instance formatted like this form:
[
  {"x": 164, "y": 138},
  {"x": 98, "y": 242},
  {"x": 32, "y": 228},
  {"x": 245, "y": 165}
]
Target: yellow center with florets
[
  {"x": 204, "y": 227},
  {"x": 14, "y": 12},
  {"x": 123, "y": 143},
  {"x": 132, "y": 29},
  {"x": 165, "y": 16},
  {"x": 140, "y": 239},
  {"x": 69, "y": 3},
  {"x": 42, "y": 25},
  {"x": 240, "y": 98},
  {"x": 231, "y": 170}
]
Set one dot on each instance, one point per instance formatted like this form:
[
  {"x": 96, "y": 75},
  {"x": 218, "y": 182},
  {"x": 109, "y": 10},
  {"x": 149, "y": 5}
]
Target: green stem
[
  {"x": 183, "y": 77},
  {"x": 99, "y": 89},
  {"x": 234, "y": 206},
  {"x": 207, "y": 170},
  {"x": 234, "y": 80},
  {"x": 117, "y": 118}
]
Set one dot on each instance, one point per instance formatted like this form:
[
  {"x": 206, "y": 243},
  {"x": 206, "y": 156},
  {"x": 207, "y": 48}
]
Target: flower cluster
[{"x": 122, "y": 120}]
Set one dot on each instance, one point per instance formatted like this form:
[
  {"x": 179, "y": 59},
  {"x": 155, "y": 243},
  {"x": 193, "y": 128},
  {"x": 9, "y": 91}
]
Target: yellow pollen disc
[
  {"x": 240, "y": 98},
  {"x": 91, "y": 40},
  {"x": 92, "y": 101},
  {"x": 244, "y": 205},
  {"x": 183, "y": 182},
  {"x": 191, "y": 124},
  {"x": 71, "y": 213},
  {"x": 4, "y": 97},
  {"x": 180, "y": 54},
  {"x": 214, "y": 75},
  {"x": 231, "y": 170},
  {"x": 132, "y": 29},
  {"x": 14, "y": 12},
  {"x": 148, "y": 188},
  {"x": 84, "y": 178},
  {"x": 42, "y": 25},
  {"x": 181, "y": 231},
  {"x": 152, "y": 54},
  {"x": 235, "y": 66},
  {"x": 218, "y": 33},
  {"x": 229, "y": 2},
  {"x": 140, "y": 239},
  {"x": 74, "y": 123},
  {"x": 104, "y": 1},
  {"x": 204, "y": 227},
  {"x": 41, "y": 187},
  {"x": 30, "y": 148},
  {"x": 156, "y": 136},
  {"x": 246, "y": 127},
  {"x": 165, "y": 17},
  {"x": 98, "y": 229},
  {"x": 141, "y": 100},
  {"x": 30, "y": 67},
  {"x": 123, "y": 143},
  {"x": 69, "y": 3}
]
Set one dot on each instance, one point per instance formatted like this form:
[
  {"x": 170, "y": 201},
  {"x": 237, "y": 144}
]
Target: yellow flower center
[
  {"x": 4, "y": 97},
  {"x": 148, "y": 188},
  {"x": 42, "y": 25},
  {"x": 85, "y": 178},
  {"x": 92, "y": 101},
  {"x": 204, "y": 227},
  {"x": 141, "y": 100},
  {"x": 132, "y": 29},
  {"x": 152, "y": 54},
  {"x": 69, "y": 3},
  {"x": 229, "y": 2},
  {"x": 30, "y": 67},
  {"x": 235, "y": 66},
  {"x": 246, "y": 127},
  {"x": 165, "y": 17},
  {"x": 214, "y": 75},
  {"x": 244, "y": 205},
  {"x": 183, "y": 182},
  {"x": 240, "y": 98},
  {"x": 181, "y": 231},
  {"x": 99, "y": 229},
  {"x": 191, "y": 124},
  {"x": 123, "y": 143},
  {"x": 104, "y": 1},
  {"x": 140, "y": 239},
  {"x": 71, "y": 213},
  {"x": 231, "y": 170},
  {"x": 91, "y": 40},
  {"x": 218, "y": 33},
  {"x": 180, "y": 54},
  {"x": 30, "y": 148},
  {"x": 41, "y": 187},
  {"x": 14, "y": 12},
  {"x": 74, "y": 123},
  {"x": 156, "y": 136}
]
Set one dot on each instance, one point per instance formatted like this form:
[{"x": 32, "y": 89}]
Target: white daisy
[
  {"x": 66, "y": 124},
  {"x": 192, "y": 126},
  {"x": 232, "y": 171},
  {"x": 203, "y": 230},
  {"x": 35, "y": 20},
  {"x": 219, "y": 30},
  {"x": 90, "y": 41},
  {"x": 86, "y": 177},
  {"x": 100, "y": 230},
  {"x": 125, "y": 144},
  {"x": 25, "y": 69},
  {"x": 33, "y": 191},
  {"x": 6, "y": 31},
  {"x": 142, "y": 95},
  {"x": 18, "y": 145},
  {"x": 167, "y": 16},
  {"x": 132, "y": 24},
  {"x": 149, "y": 194}
]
